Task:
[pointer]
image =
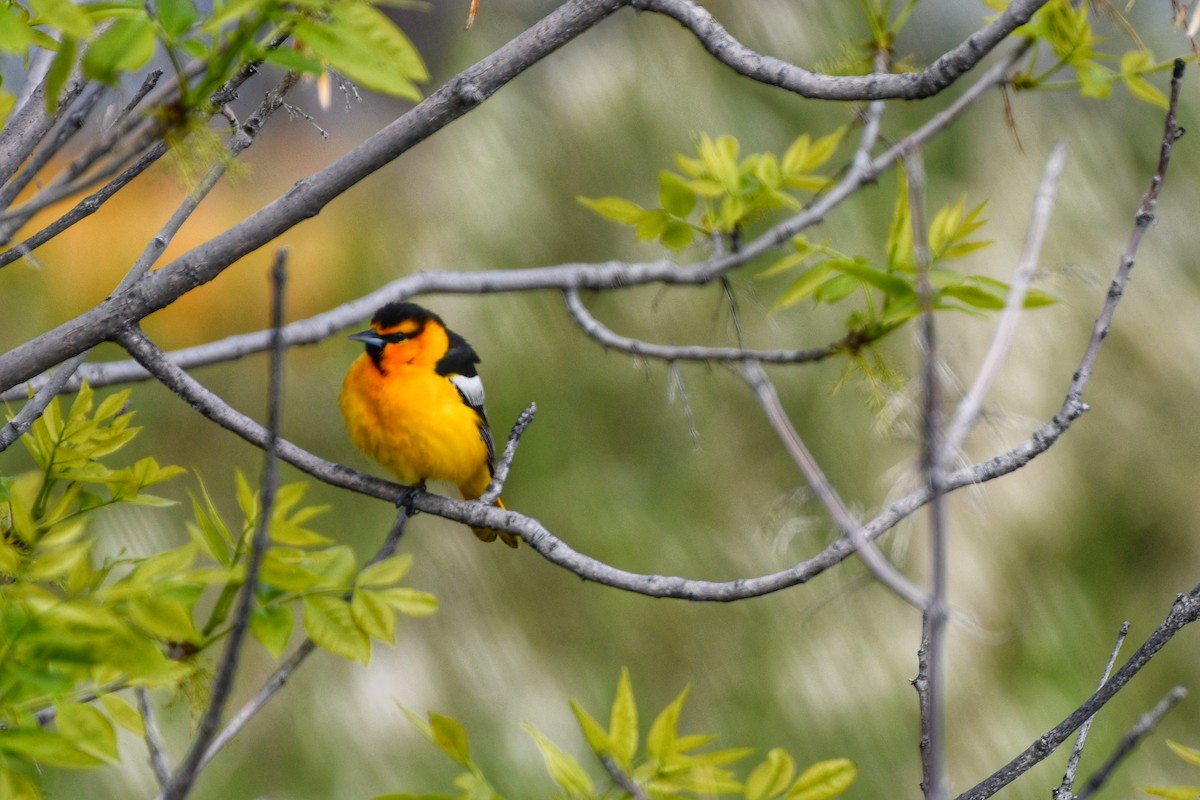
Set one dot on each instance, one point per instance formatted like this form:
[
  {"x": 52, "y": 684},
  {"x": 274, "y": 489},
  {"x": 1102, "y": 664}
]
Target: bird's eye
[{"x": 393, "y": 338}]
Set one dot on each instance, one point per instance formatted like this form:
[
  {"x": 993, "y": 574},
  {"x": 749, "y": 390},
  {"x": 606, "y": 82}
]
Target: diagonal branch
[
  {"x": 1140, "y": 730},
  {"x": 1043, "y": 203},
  {"x": 1065, "y": 790},
  {"x": 849, "y": 527}
]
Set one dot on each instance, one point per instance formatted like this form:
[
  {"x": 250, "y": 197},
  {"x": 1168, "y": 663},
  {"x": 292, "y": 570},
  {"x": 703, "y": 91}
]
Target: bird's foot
[{"x": 408, "y": 499}]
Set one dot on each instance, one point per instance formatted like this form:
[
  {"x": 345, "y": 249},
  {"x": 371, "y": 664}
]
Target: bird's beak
[{"x": 368, "y": 337}]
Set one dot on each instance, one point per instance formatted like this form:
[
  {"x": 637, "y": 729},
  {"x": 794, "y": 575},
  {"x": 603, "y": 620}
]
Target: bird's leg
[{"x": 409, "y": 497}]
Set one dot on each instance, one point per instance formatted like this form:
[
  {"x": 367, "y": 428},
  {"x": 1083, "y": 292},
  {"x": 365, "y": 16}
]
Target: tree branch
[
  {"x": 876, "y": 86},
  {"x": 1066, "y": 791},
  {"x": 181, "y": 782},
  {"x": 849, "y": 527},
  {"x": 496, "y": 486},
  {"x": 1185, "y": 611},
  {"x": 1145, "y": 724},
  {"x": 1043, "y": 204}
]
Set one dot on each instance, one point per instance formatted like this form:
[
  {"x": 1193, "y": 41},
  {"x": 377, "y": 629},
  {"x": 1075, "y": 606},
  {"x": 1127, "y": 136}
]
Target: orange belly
[{"x": 414, "y": 423}]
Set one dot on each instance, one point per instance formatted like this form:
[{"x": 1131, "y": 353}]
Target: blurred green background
[{"x": 1046, "y": 563}]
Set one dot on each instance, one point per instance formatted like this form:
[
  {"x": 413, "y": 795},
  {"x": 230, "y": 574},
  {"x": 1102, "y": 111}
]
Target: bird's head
[{"x": 404, "y": 333}]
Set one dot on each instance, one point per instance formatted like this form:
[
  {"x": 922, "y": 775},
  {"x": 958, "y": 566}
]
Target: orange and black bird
[{"x": 414, "y": 403}]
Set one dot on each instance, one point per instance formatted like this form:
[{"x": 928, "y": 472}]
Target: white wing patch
[{"x": 470, "y": 388}]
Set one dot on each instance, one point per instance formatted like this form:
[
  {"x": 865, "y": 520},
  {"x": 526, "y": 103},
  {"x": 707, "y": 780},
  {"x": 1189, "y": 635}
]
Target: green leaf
[
  {"x": 1189, "y": 754},
  {"x": 87, "y": 729},
  {"x": 618, "y": 209},
  {"x": 824, "y": 780},
  {"x": 975, "y": 296},
  {"x": 1133, "y": 64},
  {"x": 16, "y": 34},
  {"x": 329, "y": 623},
  {"x": 176, "y": 16},
  {"x": 373, "y": 615},
  {"x": 891, "y": 284},
  {"x": 71, "y": 19},
  {"x": 16, "y": 786},
  {"x": 900, "y": 241},
  {"x": 770, "y": 777},
  {"x": 652, "y": 224},
  {"x": 449, "y": 734},
  {"x": 564, "y": 770},
  {"x": 674, "y": 194},
  {"x": 272, "y": 626},
  {"x": 123, "y": 713},
  {"x": 677, "y": 235},
  {"x": 1095, "y": 81},
  {"x": 360, "y": 42},
  {"x": 662, "y": 739},
  {"x": 623, "y": 722},
  {"x": 410, "y": 602},
  {"x": 45, "y": 748},
  {"x": 837, "y": 288},
  {"x": 163, "y": 615},
  {"x": 127, "y": 45},
  {"x": 58, "y": 73},
  {"x": 247, "y": 498},
  {"x": 1172, "y": 792},
  {"x": 293, "y": 61},
  {"x": 387, "y": 572},
  {"x": 593, "y": 732}
]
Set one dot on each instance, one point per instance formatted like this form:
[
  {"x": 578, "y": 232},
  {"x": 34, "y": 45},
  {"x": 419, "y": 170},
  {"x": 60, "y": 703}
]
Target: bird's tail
[{"x": 490, "y": 534}]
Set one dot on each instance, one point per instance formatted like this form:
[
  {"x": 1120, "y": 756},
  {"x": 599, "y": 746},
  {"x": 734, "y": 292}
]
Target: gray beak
[{"x": 368, "y": 337}]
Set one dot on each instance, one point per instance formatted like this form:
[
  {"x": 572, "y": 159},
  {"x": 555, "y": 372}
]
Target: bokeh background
[{"x": 678, "y": 472}]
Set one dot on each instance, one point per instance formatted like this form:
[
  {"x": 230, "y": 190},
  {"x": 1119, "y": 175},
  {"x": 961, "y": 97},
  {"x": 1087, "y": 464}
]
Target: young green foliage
[
  {"x": 887, "y": 289},
  {"x": 1065, "y": 29},
  {"x": 665, "y": 764},
  {"x": 77, "y": 628},
  {"x": 1191, "y": 756},
  {"x": 717, "y": 193},
  {"x": 120, "y": 38}
]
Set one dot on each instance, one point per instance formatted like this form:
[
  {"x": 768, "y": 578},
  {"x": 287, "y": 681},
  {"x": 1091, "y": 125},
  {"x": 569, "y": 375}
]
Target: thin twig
[
  {"x": 849, "y": 527},
  {"x": 30, "y": 412},
  {"x": 182, "y": 781},
  {"x": 1066, "y": 790},
  {"x": 506, "y": 458},
  {"x": 158, "y": 758},
  {"x": 931, "y": 661},
  {"x": 84, "y": 208},
  {"x": 1145, "y": 724},
  {"x": 623, "y": 779},
  {"x": 605, "y": 336},
  {"x": 1043, "y": 204}
]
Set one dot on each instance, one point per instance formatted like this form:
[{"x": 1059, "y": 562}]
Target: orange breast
[{"x": 414, "y": 423}]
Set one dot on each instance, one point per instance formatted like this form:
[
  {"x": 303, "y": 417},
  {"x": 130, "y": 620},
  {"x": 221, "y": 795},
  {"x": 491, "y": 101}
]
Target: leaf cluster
[
  {"x": 887, "y": 287},
  {"x": 1065, "y": 29},
  {"x": 109, "y": 40},
  {"x": 717, "y": 193},
  {"x": 77, "y": 630},
  {"x": 665, "y": 765}
]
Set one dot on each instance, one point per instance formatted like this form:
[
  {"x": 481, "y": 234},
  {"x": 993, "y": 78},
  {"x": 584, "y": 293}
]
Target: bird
[{"x": 414, "y": 403}]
